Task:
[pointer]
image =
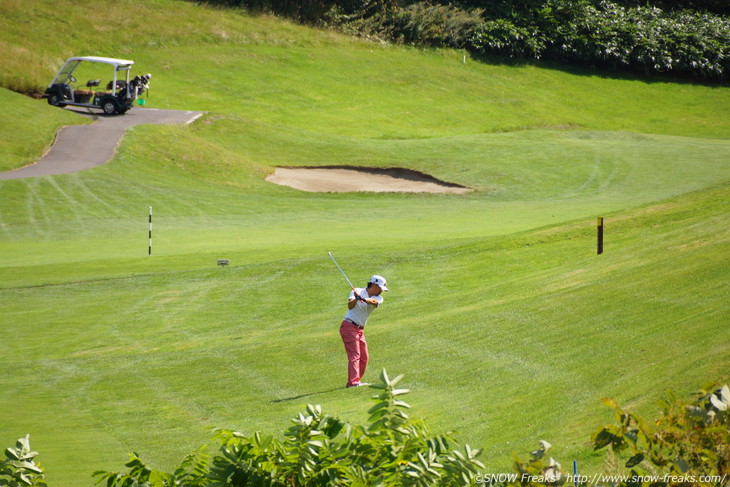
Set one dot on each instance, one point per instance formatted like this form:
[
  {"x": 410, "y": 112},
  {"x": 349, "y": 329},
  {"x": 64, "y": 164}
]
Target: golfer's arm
[{"x": 351, "y": 303}]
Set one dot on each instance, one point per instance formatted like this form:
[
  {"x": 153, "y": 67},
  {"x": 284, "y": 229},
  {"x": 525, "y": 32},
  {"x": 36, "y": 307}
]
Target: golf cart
[{"x": 117, "y": 96}]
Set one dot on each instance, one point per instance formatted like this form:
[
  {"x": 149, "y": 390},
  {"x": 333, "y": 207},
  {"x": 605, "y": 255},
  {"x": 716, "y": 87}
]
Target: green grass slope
[
  {"x": 28, "y": 129},
  {"x": 505, "y": 339},
  {"x": 507, "y": 325}
]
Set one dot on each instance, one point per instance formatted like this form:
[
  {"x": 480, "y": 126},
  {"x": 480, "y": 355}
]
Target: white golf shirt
[{"x": 360, "y": 313}]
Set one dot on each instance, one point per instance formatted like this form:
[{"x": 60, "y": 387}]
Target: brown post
[{"x": 600, "y": 235}]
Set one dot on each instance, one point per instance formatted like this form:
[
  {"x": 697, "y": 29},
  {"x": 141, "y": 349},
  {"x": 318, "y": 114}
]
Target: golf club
[{"x": 360, "y": 298}]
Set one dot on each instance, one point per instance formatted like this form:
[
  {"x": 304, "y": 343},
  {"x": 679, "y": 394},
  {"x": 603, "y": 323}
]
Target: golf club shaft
[{"x": 345, "y": 276}]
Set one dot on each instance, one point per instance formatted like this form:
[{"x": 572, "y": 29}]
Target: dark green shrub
[
  {"x": 628, "y": 35},
  {"x": 504, "y": 38},
  {"x": 642, "y": 38},
  {"x": 601, "y": 34},
  {"x": 721, "y": 7}
]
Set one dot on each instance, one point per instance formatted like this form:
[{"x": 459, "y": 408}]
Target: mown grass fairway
[{"x": 507, "y": 325}]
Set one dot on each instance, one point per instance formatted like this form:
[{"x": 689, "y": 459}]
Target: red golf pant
[{"x": 357, "y": 351}]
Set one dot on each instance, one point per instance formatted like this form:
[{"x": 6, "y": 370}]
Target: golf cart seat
[{"x": 83, "y": 96}]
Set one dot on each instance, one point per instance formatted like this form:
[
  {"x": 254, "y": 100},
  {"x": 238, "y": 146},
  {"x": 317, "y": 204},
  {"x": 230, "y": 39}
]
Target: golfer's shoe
[{"x": 359, "y": 384}]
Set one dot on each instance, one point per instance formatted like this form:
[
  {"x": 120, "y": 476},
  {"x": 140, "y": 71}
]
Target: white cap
[{"x": 380, "y": 281}]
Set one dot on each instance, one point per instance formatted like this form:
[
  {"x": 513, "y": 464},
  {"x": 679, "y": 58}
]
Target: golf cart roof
[{"x": 105, "y": 60}]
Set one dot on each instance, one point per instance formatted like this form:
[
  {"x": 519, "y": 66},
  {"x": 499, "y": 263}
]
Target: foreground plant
[
  {"x": 690, "y": 442},
  {"x": 19, "y": 467},
  {"x": 192, "y": 472},
  {"x": 321, "y": 450},
  {"x": 539, "y": 470},
  {"x": 688, "y": 445}
]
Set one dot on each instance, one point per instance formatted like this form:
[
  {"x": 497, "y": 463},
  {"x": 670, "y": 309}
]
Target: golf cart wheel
[
  {"x": 109, "y": 107},
  {"x": 54, "y": 100}
]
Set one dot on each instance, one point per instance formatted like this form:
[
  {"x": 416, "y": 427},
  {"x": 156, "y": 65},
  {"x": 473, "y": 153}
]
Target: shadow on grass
[{"x": 294, "y": 398}]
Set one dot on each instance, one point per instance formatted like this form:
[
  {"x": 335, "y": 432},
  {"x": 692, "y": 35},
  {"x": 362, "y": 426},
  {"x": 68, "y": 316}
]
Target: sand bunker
[{"x": 345, "y": 179}]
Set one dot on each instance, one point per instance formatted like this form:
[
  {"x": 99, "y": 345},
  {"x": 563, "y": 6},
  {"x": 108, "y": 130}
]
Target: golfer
[{"x": 360, "y": 303}]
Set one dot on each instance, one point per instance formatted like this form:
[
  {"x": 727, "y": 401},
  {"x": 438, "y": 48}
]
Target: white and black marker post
[{"x": 149, "y": 249}]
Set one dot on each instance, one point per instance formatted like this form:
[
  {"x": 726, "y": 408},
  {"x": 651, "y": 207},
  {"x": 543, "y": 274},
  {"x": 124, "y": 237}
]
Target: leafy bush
[
  {"x": 504, "y": 38},
  {"x": 644, "y": 39},
  {"x": 19, "y": 467},
  {"x": 721, "y": 7},
  {"x": 689, "y": 441},
  {"x": 641, "y": 38},
  {"x": 629, "y": 35},
  {"x": 192, "y": 472},
  {"x": 603, "y": 34},
  {"x": 320, "y": 450}
]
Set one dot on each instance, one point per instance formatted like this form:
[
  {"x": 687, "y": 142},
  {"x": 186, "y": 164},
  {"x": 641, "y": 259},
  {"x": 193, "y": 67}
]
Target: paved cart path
[{"x": 79, "y": 147}]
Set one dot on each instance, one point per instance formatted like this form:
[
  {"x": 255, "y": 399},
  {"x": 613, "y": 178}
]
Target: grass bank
[{"x": 507, "y": 325}]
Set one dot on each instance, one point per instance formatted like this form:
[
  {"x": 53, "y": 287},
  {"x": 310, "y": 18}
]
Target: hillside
[{"x": 508, "y": 327}]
